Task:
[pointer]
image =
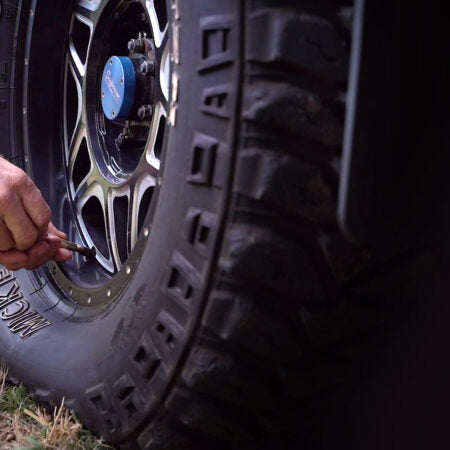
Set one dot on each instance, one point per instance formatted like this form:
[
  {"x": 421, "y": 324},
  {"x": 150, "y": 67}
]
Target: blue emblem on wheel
[{"x": 118, "y": 87}]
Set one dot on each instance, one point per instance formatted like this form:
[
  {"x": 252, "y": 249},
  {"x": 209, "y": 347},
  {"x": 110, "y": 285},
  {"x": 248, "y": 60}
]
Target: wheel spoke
[
  {"x": 80, "y": 193},
  {"x": 159, "y": 36},
  {"x": 86, "y": 16},
  {"x": 77, "y": 67},
  {"x": 89, "y": 16},
  {"x": 87, "y": 7},
  {"x": 79, "y": 136},
  {"x": 96, "y": 191},
  {"x": 82, "y": 29},
  {"x": 162, "y": 91},
  {"x": 144, "y": 183},
  {"x": 92, "y": 176},
  {"x": 77, "y": 79},
  {"x": 114, "y": 233},
  {"x": 152, "y": 150}
]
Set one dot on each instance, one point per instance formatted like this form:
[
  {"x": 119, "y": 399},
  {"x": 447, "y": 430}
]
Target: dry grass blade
[
  {"x": 26, "y": 426},
  {"x": 3, "y": 376}
]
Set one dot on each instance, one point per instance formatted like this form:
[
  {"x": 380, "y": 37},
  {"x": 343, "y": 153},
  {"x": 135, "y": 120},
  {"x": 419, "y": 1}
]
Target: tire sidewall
[{"x": 86, "y": 354}]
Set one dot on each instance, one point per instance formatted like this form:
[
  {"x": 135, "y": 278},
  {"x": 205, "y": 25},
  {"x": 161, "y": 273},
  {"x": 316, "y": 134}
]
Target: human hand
[
  {"x": 46, "y": 249},
  {"x": 25, "y": 223}
]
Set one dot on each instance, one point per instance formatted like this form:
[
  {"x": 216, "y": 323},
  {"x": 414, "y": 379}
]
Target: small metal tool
[{"x": 89, "y": 253}]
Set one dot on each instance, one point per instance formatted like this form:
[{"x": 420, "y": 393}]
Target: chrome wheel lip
[{"x": 107, "y": 188}]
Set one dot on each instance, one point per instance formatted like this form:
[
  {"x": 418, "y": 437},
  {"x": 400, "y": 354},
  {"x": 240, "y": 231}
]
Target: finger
[
  {"x": 53, "y": 240},
  {"x": 63, "y": 255},
  {"x": 36, "y": 207},
  {"x": 14, "y": 259},
  {"x": 20, "y": 226},
  {"x": 41, "y": 253},
  {"x": 53, "y": 230},
  {"x": 6, "y": 239},
  {"x": 15, "y": 268}
]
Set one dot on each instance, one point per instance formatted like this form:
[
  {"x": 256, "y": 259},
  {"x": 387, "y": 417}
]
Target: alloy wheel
[{"x": 113, "y": 135}]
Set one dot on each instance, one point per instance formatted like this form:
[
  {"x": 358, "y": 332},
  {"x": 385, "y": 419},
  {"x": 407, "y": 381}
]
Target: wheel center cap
[{"x": 118, "y": 87}]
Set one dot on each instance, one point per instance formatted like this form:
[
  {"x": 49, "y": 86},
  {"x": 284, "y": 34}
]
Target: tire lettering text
[{"x": 16, "y": 311}]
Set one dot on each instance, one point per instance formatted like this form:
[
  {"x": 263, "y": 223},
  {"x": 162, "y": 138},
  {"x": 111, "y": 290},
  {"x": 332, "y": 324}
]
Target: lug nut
[
  {"x": 135, "y": 45},
  {"x": 145, "y": 112},
  {"x": 120, "y": 140},
  {"x": 147, "y": 67}
]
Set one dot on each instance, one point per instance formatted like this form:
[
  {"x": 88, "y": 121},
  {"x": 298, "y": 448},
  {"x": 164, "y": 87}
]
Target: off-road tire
[{"x": 240, "y": 310}]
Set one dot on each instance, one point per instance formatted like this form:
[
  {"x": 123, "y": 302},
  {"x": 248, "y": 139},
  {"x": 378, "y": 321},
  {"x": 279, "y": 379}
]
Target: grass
[{"x": 24, "y": 425}]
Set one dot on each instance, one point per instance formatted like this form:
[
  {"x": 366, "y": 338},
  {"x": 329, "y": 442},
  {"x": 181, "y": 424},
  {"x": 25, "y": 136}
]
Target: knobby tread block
[
  {"x": 209, "y": 416},
  {"x": 261, "y": 257},
  {"x": 161, "y": 435},
  {"x": 290, "y": 109},
  {"x": 208, "y": 368},
  {"x": 222, "y": 393},
  {"x": 242, "y": 321},
  {"x": 289, "y": 183},
  {"x": 299, "y": 40}
]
